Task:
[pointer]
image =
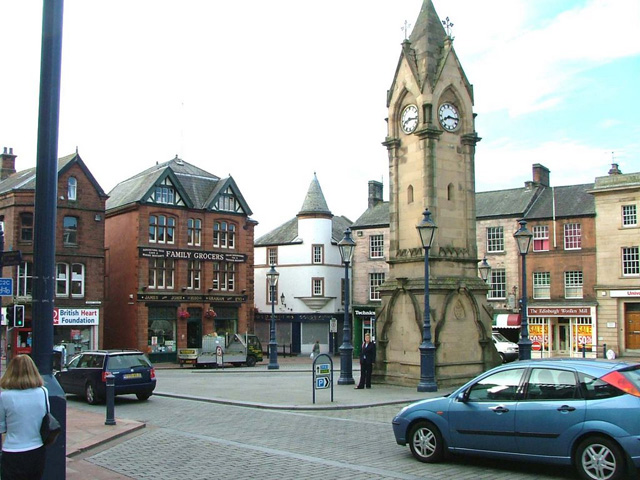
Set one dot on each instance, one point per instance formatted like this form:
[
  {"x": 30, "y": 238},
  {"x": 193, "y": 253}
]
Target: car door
[
  {"x": 66, "y": 377},
  {"x": 484, "y": 419},
  {"x": 551, "y": 413}
]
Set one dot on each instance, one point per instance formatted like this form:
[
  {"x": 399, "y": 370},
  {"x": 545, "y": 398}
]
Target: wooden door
[{"x": 632, "y": 320}]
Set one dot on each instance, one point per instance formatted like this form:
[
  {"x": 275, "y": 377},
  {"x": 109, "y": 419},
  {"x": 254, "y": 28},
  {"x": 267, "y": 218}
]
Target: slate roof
[
  {"x": 504, "y": 203},
  {"x": 287, "y": 233},
  {"x": 570, "y": 201},
  {"x": 314, "y": 202},
  {"x": 26, "y": 179},
  {"x": 376, "y": 216},
  {"x": 198, "y": 187}
]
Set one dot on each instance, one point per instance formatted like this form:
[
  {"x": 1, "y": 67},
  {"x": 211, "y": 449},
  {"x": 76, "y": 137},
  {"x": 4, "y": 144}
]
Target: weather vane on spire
[
  {"x": 448, "y": 25},
  {"x": 405, "y": 29}
]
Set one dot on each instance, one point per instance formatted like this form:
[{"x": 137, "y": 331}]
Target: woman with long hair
[{"x": 23, "y": 403}]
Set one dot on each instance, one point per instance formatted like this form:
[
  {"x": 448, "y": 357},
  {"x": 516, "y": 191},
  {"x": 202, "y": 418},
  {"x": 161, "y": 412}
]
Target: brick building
[
  {"x": 79, "y": 254},
  {"x": 179, "y": 246}
]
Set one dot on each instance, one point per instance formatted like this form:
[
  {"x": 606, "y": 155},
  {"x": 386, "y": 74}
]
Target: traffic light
[
  {"x": 18, "y": 315},
  {"x": 9, "y": 314}
]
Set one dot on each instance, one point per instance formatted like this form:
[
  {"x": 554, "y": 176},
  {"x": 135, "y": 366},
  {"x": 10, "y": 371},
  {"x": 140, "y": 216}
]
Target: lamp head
[
  {"x": 523, "y": 237},
  {"x": 485, "y": 269},
  {"x": 272, "y": 276},
  {"x": 427, "y": 229},
  {"x": 346, "y": 246}
]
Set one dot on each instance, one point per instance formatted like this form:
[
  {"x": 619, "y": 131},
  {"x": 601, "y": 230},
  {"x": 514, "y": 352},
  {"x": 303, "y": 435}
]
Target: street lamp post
[
  {"x": 346, "y": 246},
  {"x": 523, "y": 238},
  {"x": 427, "y": 230},
  {"x": 272, "y": 277}
]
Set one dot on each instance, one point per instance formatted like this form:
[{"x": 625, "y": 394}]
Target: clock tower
[{"x": 431, "y": 143}]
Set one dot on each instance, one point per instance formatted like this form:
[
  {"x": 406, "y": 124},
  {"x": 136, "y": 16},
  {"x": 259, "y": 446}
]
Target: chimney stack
[
  {"x": 375, "y": 193},
  {"x": 8, "y": 166},
  {"x": 540, "y": 175},
  {"x": 615, "y": 170}
]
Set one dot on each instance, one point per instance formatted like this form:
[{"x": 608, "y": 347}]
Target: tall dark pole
[
  {"x": 346, "y": 246},
  {"x": 427, "y": 230},
  {"x": 44, "y": 241},
  {"x": 523, "y": 238},
  {"x": 524, "y": 345},
  {"x": 272, "y": 276}
]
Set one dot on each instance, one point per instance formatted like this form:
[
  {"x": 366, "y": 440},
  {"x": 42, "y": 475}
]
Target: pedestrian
[
  {"x": 367, "y": 358},
  {"x": 316, "y": 349},
  {"x": 23, "y": 403}
]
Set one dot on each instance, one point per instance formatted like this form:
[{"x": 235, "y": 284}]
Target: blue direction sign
[
  {"x": 6, "y": 287},
  {"x": 322, "y": 382},
  {"x": 323, "y": 369}
]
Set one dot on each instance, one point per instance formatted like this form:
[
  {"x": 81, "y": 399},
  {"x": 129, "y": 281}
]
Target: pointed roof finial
[{"x": 448, "y": 26}]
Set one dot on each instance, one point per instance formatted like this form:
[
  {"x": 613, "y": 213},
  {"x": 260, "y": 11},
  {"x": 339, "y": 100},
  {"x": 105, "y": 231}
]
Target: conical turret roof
[{"x": 314, "y": 203}]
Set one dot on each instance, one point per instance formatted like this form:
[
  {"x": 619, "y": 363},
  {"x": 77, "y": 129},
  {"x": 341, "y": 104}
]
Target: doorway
[
  {"x": 562, "y": 337},
  {"x": 632, "y": 325}
]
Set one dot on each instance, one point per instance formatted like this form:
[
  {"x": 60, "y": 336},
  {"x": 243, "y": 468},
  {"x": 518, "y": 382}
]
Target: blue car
[{"x": 579, "y": 412}]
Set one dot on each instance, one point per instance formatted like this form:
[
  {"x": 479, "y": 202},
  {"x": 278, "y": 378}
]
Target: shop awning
[{"x": 506, "y": 320}]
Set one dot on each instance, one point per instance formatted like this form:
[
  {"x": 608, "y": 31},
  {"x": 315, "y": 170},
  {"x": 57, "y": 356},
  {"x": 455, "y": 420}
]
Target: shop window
[
  {"x": 194, "y": 231},
  {"x": 72, "y": 188},
  {"x": 70, "y": 230},
  {"x": 161, "y": 273},
  {"x": 495, "y": 239},
  {"x": 375, "y": 280},
  {"x": 24, "y": 285},
  {"x": 540, "y": 238},
  {"x": 498, "y": 284},
  {"x": 573, "y": 284},
  {"x": 376, "y": 246},
  {"x": 26, "y": 227},
  {"x": 161, "y": 329},
  {"x": 572, "y": 236}
]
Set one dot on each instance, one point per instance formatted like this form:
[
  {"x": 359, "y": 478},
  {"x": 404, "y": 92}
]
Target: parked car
[
  {"x": 562, "y": 411},
  {"x": 506, "y": 348},
  {"x": 86, "y": 374}
]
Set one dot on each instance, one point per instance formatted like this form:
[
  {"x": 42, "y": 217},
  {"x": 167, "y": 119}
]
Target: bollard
[
  {"x": 604, "y": 350},
  {"x": 584, "y": 350},
  {"x": 110, "y": 399}
]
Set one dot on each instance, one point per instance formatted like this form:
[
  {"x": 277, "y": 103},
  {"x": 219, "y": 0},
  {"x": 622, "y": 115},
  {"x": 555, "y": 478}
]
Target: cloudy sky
[{"x": 271, "y": 92}]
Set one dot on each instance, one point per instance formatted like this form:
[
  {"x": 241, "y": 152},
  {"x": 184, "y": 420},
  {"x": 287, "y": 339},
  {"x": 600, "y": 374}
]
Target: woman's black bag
[{"x": 50, "y": 428}]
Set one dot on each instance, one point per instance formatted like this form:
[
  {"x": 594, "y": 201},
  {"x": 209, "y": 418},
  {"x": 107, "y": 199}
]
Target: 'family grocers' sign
[{"x": 203, "y": 256}]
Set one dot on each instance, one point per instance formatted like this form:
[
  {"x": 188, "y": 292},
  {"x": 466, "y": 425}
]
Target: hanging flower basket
[
  {"x": 210, "y": 313},
  {"x": 183, "y": 314}
]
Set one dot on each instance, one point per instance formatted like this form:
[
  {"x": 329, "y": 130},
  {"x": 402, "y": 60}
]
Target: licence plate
[{"x": 132, "y": 375}]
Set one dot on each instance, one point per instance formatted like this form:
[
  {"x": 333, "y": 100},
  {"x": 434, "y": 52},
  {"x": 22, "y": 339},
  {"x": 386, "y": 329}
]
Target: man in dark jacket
[{"x": 367, "y": 358}]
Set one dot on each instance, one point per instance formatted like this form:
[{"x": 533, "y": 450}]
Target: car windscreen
[{"x": 127, "y": 361}]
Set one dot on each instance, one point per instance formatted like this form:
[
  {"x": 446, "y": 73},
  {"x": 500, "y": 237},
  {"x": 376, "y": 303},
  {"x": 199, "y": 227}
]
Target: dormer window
[
  {"x": 228, "y": 202},
  {"x": 72, "y": 188},
  {"x": 165, "y": 194}
]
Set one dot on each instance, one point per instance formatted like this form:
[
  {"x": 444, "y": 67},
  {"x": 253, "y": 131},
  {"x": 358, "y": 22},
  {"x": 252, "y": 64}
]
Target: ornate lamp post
[
  {"x": 427, "y": 230},
  {"x": 485, "y": 270},
  {"x": 272, "y": 277},
  {"x": 346, "y": 246},
  {"x": 523, "y": 238}
]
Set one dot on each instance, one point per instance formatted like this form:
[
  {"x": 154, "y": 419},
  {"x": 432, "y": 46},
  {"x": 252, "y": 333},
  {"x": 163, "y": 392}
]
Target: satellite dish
[{"x": 611, "y": 354}]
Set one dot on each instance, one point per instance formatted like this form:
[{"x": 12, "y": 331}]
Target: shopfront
[
  {"x": 562, "y": 331},
  {"x": 76, "y": 329},
  {"x": 364, "y": 321}
]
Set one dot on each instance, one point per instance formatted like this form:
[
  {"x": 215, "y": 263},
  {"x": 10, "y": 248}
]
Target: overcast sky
[{"x": 271, "y": 92}]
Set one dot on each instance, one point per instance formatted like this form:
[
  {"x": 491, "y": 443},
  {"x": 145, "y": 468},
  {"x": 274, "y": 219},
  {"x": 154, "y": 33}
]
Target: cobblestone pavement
[{"x": 197, "y": 440}]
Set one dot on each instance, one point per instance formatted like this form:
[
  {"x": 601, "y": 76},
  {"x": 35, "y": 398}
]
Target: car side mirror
[{"x": 462, "y": 397}]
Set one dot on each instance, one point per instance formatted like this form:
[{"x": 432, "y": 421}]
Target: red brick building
[
  {"x": 79, "y": 294},
  {"x": 179, "y": 246}
]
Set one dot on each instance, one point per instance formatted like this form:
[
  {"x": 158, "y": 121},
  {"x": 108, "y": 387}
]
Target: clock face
[
  {"x": 409, "y": 119},
  {"x": 449, "y": 117}
]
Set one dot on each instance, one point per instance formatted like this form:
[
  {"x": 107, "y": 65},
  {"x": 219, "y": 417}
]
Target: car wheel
[
  {"x": 598, "y": 458},
  {"x": 251, "y": 361},
  {"x": 90, "y": 394},
  {"x": 504, "y": 360},
  {"x": 425, "y": 442},
  {"x": 143, "y": 396}
]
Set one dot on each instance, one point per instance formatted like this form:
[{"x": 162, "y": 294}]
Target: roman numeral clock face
[{"x": 449, "y": 117}]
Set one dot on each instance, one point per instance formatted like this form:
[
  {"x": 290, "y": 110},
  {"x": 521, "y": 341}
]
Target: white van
[{"x": 507, "y": 349}]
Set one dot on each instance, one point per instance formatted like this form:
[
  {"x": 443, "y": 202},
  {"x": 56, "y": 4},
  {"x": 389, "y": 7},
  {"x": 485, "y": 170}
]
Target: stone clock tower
[{"x": 431, "y": 144}]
